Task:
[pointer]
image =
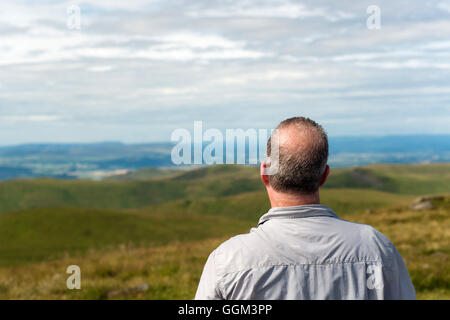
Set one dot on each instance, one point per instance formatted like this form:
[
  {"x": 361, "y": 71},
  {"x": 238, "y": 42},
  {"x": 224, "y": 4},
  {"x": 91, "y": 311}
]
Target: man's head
[{"x": 303, "y": 155}]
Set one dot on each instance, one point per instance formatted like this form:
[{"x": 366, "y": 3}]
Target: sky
[{"x": 135, "y": 70}]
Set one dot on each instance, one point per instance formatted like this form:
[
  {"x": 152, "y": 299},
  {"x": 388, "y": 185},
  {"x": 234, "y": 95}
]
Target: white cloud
[
  {"x": 100, "y": 68},
  {"x": 233, "y": 62},
  {"x": 195, "y": 40},
  {"x": 406, "y": 64},
  {"x": 282, "y": 9},
  {"x": 30, "y": 118},
  {"x": 444, "y": 6},
  {"x": 436, "y": 45},
  {"x": 68, "y": 46}
]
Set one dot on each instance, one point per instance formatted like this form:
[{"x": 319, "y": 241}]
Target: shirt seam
[
  {"x": 305, "y": 264},
  {"x": 294, "y": 217}
]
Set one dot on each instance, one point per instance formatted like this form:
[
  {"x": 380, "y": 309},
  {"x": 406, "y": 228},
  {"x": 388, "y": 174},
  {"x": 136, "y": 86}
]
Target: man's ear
[
  {"x": 262, "y": 170},
  {"x": 325, "y": 175}
]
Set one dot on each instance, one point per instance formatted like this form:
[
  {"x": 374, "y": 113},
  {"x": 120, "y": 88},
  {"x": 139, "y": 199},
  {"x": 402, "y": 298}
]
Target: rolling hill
[
  {"x": 77, "y": 215},
  {"x": 109, "y": 227},
  {"x": 214, "y": 181},
  {"x": 172, "y": 271}
]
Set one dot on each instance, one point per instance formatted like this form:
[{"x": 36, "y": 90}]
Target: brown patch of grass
[{"x": 171, "y": 271}]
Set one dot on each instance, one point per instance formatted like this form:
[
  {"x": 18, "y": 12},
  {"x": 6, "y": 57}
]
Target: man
[{"x": 301, "y": 249}]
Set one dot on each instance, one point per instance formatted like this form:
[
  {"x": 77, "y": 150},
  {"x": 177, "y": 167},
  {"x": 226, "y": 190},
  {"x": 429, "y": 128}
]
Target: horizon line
[{"x": 172, "y": 142}]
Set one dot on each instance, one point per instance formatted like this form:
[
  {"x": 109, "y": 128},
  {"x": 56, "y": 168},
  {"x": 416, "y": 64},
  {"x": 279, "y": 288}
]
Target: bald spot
[{"x": 294, "y": 138}]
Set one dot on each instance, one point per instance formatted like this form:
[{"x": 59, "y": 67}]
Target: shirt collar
[{"x": 304, "y": 211}]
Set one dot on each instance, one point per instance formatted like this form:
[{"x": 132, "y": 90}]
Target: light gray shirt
[{"x": 306, "y": 252}]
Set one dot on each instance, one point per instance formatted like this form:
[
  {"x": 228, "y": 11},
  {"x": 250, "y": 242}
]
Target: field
[{"x": 147, "y": 235}]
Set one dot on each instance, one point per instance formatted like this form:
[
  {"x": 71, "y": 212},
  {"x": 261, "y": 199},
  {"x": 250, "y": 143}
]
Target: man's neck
[{"x": 278, "y": 199}]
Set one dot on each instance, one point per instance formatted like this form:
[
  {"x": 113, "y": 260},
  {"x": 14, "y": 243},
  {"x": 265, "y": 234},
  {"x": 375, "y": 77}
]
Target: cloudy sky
[{"x": 136, "y": 70}]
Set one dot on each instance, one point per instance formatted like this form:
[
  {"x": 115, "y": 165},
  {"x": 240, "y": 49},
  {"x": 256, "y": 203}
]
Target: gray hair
[{"x": 300, "y": 170}]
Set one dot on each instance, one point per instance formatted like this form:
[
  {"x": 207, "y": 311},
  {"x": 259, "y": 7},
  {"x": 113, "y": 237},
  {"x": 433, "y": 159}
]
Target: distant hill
[
  {"x": 398, "y": 149},
  {"x": 100, "y": 160},
  {"x": 81, "y": 160},
  {"x": 211, "y": 181},
  {"x": 14, "y": 172},
  {"x": 145, "y": 174},
  {"x": 404, "y": 179},
  {"x": 432, "y": 144}
]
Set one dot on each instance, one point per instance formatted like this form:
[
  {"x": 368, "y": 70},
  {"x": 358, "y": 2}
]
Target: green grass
[
  {"x": 172, "y": 271},
  {"x": 40, "y": 234},
  {"x": 251, "y": 205},
  {"x": 159, "y": 229},
  {"x": 207, "y": 182},
  {"x": 70, "y": 229},
  {"x": 417, "y": 179},
  {"x": 345, "y": 201},
  {"x": 44, "y": 193}
]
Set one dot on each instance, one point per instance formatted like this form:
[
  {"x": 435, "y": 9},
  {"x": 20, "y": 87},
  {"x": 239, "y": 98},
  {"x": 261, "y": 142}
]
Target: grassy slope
[
  {"x": 42, "y": 193},
  {"x": 417, "y": 179},
  {"x": 75, "y": 230},
  {"x": 214, "y": 181},
  {"x": 39, "y": 234},
  {"x": 201, "y": 196},
  {"x": 195, "y": 205},
  {"x": 172, "y": 271},
  {"x": 251, "y": 205}
]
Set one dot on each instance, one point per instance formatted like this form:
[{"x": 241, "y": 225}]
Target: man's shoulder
[
  {"x": 237, "y": 244},
  {"x": 357, "y": 242},
  {"x": 239, "y": 252},
  {"x": 368, "y": 240},
  {"x": 367, "y": 233}
]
